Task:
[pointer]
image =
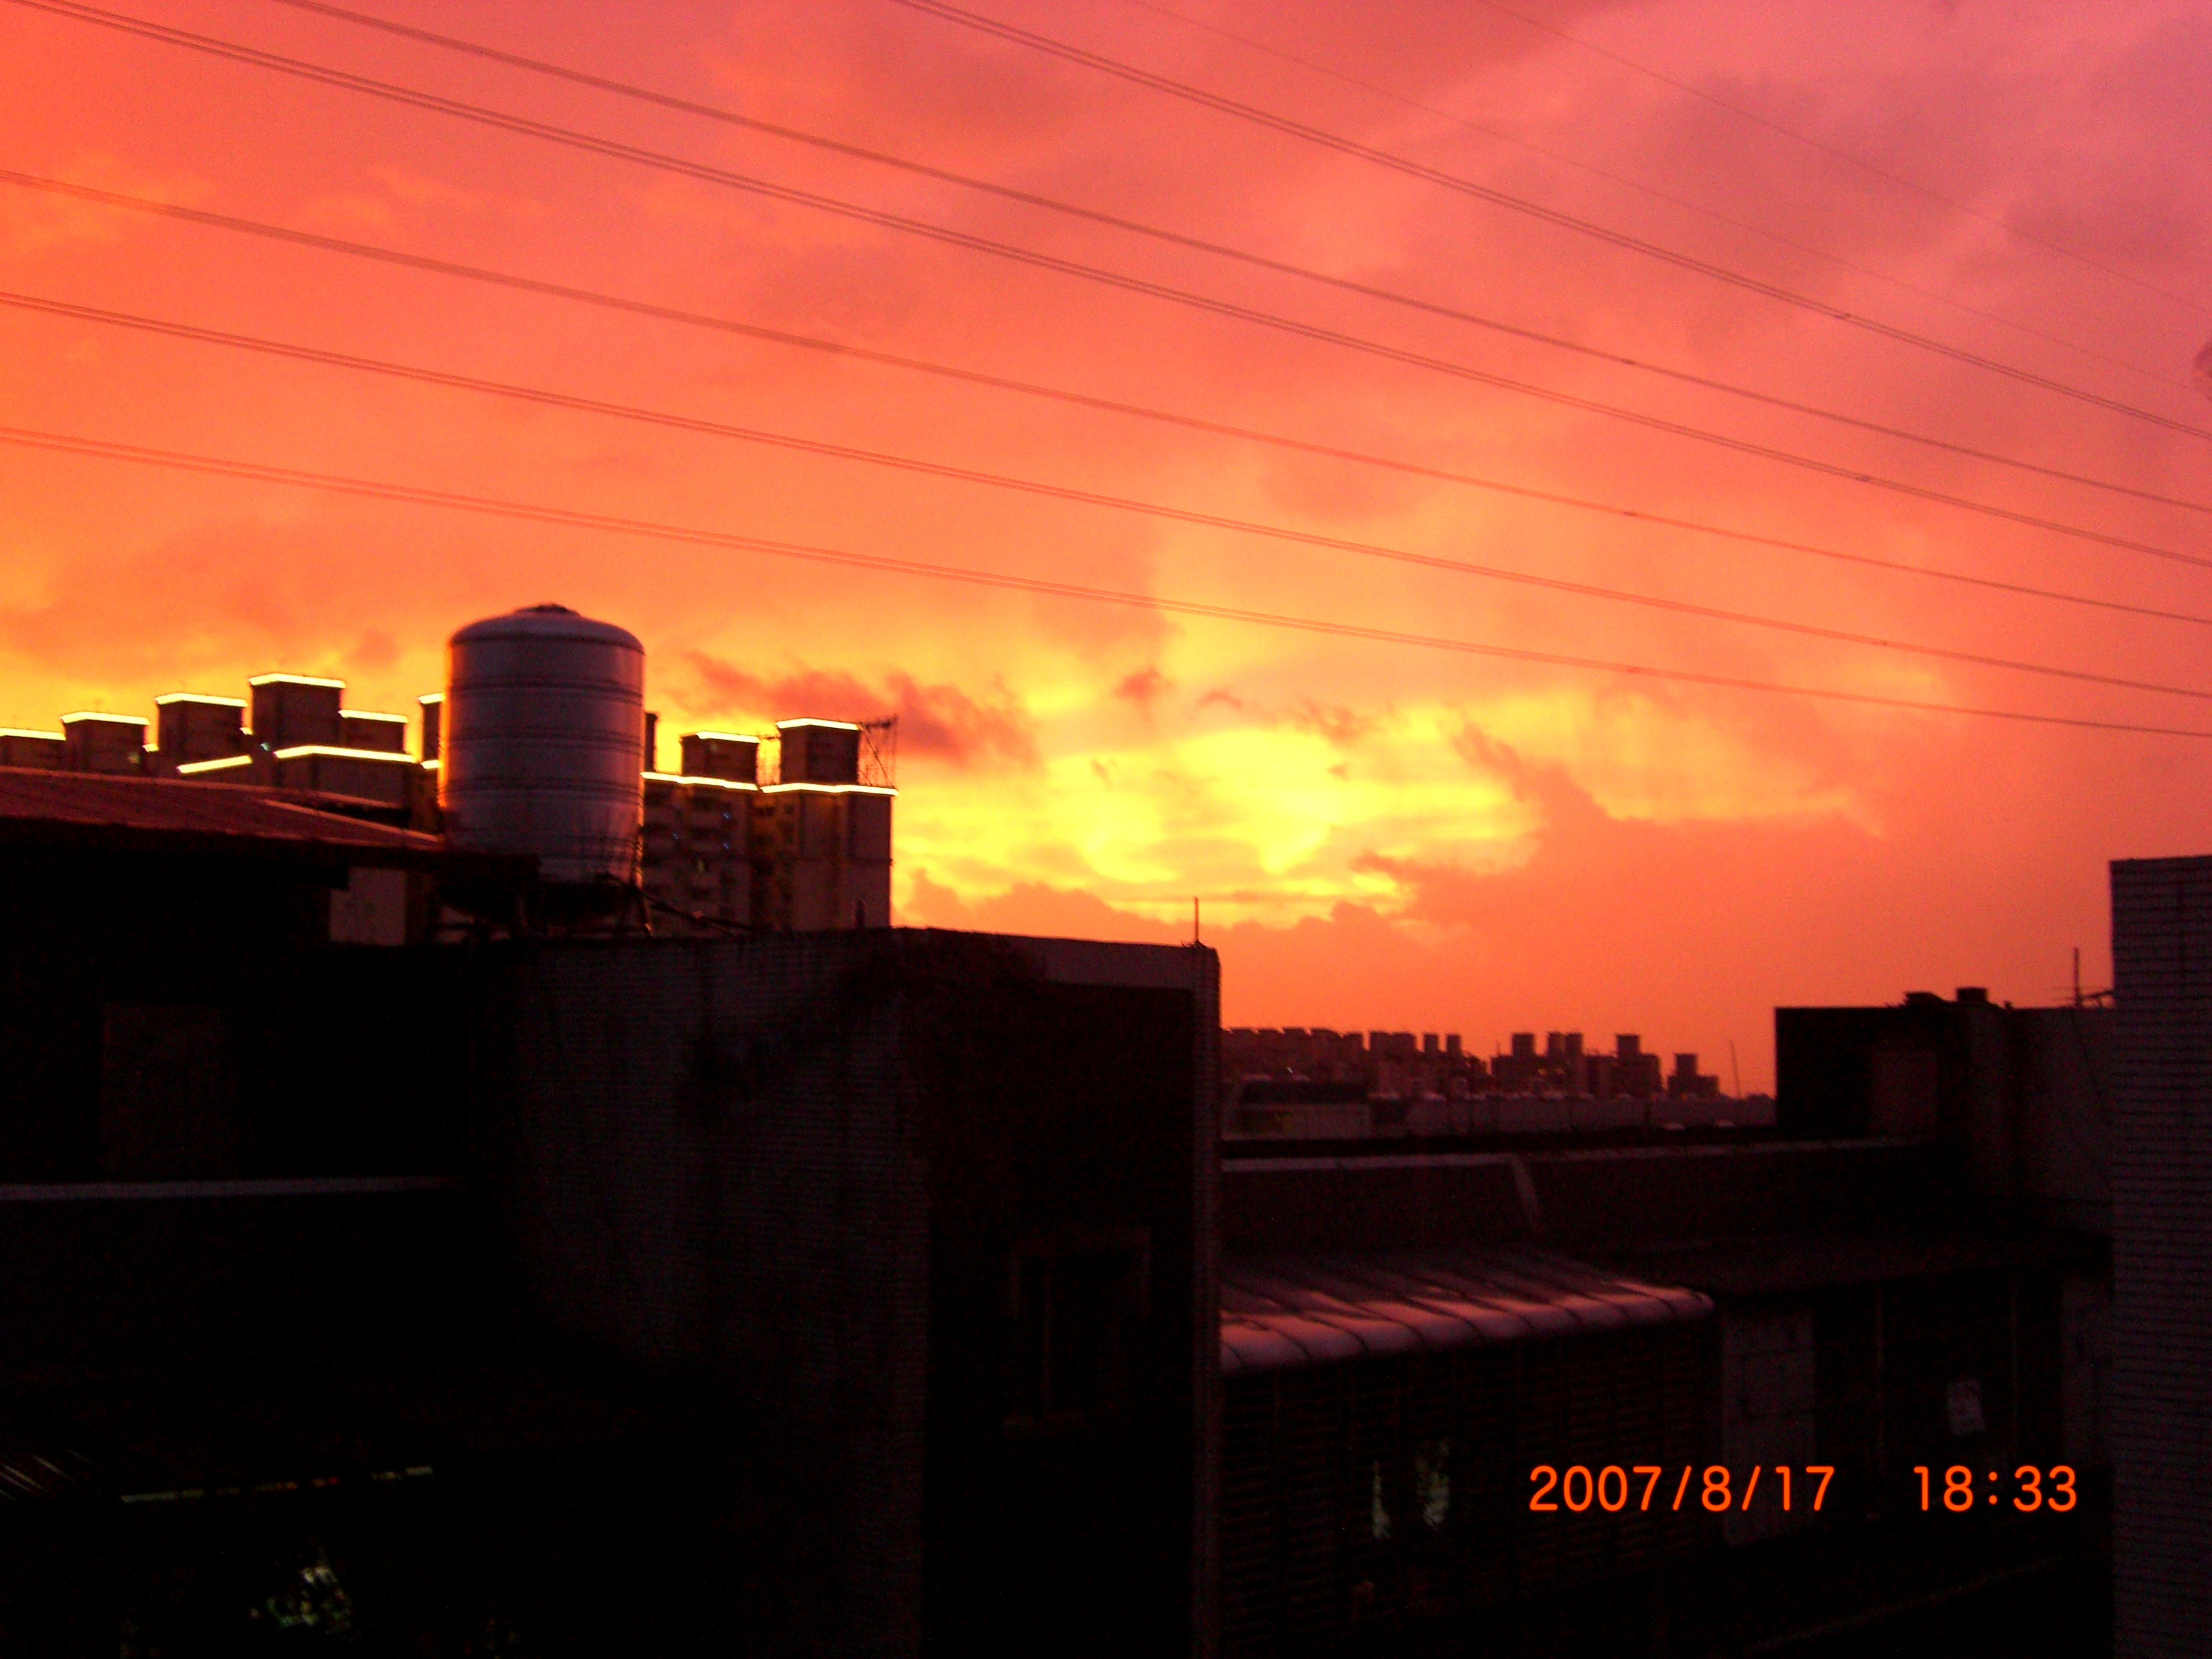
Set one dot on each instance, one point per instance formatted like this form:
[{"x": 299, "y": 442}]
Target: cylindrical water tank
[{"x": 542, "y": 750}]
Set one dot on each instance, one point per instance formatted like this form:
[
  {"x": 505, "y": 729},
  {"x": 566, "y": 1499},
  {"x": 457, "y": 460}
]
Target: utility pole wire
[
  {"x": 1259, "y": 261},
  {"x": 219, "y": 466},
  {"x": 1841, "y": 154},
  {"x": 1896, "y": 486},
  {"x": 1465, "y": 186},
  {"x": 1765, "y": 232},
  {"x": 1079, "y": 400},
  {"x": 544, "y": 396}
]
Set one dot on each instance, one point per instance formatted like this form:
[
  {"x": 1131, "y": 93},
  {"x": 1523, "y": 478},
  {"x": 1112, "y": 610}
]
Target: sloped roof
[
  {"x": 88, "y": 809},
  {"x": 1287, "y": 1311}
]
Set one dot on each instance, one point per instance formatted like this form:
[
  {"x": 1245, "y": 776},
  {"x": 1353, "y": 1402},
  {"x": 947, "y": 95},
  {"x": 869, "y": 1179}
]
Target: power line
[
  {"x": 1467, "y": 372},
  {"x": 1496, "y": 197},
  {"x": 1198, "y": 244},
  {"x": 1860, "y": 162},
  {"x": 253, "y": 471},
  {"x": 1142, "y": 286},
  {"x": 546, "y": 397},
  {"x": 1766, "y": 232},
  {"x": 1078, "y": 399}
]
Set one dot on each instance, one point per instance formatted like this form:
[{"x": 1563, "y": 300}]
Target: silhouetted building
[
  {"x": 1422, "y": 1350},
  {"x": 846, "y": 1292},
  {"x": 730, "y": 756},
  {"x": 928, "y": 1215},
  {"x": 188, "y": 726},
  {"x": 46, "y": 750},
  {"x": 827, "y": 836},
  {"x": 2016, "y": 1097},
  {"x": 157, "y": 939},
  {"x": 2162, "y": 1164},
  {"x": 1635, "y": 1073},
  {"x": 294, "y": 710},
  {"x": 1686, "y": 1081},
  {"x": 103, "y": 742},
  {"x": 1430, "y": 1087},
  {"x": 729, "y": 844},
  {"x": 696, "y": 857}
]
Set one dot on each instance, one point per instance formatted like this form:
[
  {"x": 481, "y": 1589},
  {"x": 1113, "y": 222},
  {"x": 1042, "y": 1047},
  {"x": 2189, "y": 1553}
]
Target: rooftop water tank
[{"x": 542, "y": 746}]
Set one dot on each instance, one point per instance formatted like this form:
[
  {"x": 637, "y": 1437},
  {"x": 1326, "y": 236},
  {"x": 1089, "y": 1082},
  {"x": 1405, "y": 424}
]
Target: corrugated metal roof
[
  {"x": 66, "y": 806},
  {"x": 1282, "y": 1312}
]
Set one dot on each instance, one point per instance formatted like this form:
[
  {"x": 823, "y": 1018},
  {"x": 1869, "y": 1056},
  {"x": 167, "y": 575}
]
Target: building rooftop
[{"x": 83, "y": 809}]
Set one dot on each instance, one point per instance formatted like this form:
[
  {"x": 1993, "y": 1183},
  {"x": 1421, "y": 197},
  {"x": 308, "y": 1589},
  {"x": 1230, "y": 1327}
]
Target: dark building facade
[
  {"x": 1413, "y": 1341},
  {"x": 928, "y": 1217},
  {"x": 2162, "y": 1255},
  {"x": 2019, "y": 1098},
  {"x": 888, "y": 1292},
  {"x": 847, "y": 1292},
  {"x": 170, "y": 1004},
  {"x": 248, "y": 1339}
]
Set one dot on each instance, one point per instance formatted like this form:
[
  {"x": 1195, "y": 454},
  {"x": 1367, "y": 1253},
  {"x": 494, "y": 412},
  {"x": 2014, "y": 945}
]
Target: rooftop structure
[{"x": 784, "y": 831}]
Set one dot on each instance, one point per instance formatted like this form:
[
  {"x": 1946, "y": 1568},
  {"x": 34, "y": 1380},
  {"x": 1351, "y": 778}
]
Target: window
[
  {"x": 1378, "y": 1511},
  {"x": 1433, "y": 1483},
  {"x": 1076, "y": 1300}
]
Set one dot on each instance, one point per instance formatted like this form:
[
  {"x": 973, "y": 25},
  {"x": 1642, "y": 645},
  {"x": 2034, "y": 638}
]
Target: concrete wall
[
  {"x": 707, "y": 1160},
  {"x": 817, "y": 1173}
]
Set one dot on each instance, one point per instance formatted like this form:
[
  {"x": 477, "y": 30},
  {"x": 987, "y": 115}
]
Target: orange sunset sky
[{"x": 1381, "y": 833}]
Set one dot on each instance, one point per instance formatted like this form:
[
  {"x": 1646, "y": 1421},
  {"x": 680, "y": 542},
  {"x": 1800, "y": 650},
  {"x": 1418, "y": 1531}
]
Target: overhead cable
[
  {"x": 1521, "y": 204},
  {"x": 520, "y": 284},
  {"x": 1764, "y": 232},
  {"x": 616, "y": 149},
  {"x": 1198, "y": 244},
  {"x": 548, "y": 398},
  {"x": 336, "y": 484},
  {"x": 1375, "y": 348},
  {"x": 1841, "y": 155}
]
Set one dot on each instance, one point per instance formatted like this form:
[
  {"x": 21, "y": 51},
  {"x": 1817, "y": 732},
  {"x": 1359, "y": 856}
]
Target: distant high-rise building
[{"x": 1687, "y": 1083}]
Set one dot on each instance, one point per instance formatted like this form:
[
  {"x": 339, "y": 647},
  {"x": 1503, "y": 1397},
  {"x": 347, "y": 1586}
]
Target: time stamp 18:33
[{"x": 1578, "y": 1489}]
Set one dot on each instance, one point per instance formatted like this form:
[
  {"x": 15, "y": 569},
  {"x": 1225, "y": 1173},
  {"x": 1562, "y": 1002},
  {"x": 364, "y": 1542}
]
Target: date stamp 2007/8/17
[{"x": 1611, "y": 1489}]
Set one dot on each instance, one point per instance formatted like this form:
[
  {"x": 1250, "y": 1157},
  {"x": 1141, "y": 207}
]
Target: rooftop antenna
[
  {"x": 1193, "y": 918},
  {"x": 2077, "y": 976},
  {"x": 1735, "y": 1070}
]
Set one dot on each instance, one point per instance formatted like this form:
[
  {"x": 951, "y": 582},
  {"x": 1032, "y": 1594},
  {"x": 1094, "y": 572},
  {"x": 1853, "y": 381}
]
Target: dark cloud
[
  {"x": 1341, "y": 725},
  {"x": 939, "y": 720},
  {"x": 1144, "y": 686}
]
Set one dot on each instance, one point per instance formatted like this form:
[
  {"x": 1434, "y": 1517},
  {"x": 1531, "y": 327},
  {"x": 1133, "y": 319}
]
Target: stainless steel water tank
[{"x": 542, "y": 746}]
